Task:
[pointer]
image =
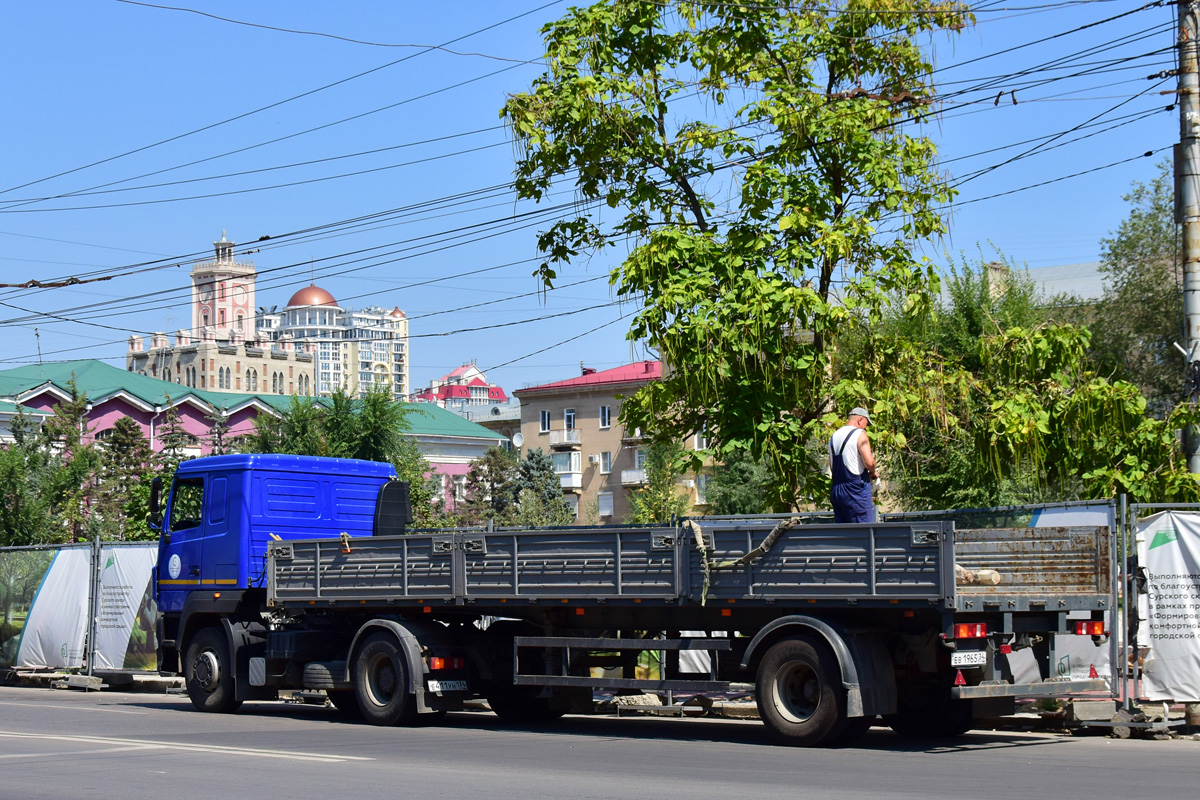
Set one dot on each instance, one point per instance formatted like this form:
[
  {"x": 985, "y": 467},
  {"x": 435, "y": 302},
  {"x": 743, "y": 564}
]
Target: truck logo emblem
[{"x": 174, "y": 566}]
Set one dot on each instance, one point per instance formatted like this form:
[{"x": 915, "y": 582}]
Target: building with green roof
[{"x": 447, "y": 441}]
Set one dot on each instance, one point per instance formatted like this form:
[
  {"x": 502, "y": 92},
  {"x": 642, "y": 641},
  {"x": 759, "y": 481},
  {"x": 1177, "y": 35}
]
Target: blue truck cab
[{"x": 223, "y": 511}]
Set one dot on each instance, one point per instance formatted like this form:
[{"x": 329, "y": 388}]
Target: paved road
[{"x": 56, "y": 744}]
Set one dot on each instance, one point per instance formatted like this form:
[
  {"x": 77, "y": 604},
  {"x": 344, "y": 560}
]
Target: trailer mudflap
[{"x": 1052, "y": 688}]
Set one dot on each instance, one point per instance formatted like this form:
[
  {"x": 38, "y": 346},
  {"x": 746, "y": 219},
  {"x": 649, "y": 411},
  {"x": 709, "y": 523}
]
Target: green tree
[
  {"x": 219, "y": 443},
  {"x": 538, "y": 490},
  {"x": 173, "y": 439},
  {"x": 69, "y": 486},
  {"x": 995, "y": 402},
  {"x": 739, "y": 486},
  {"x": 25, "y": 467},
  {"x": 660, "y": 499},
  {"x": 1141, "y": 314},
  {"x": 491, "y": 487},
  {"x": 759, "y": 239},
  {"x": 126, "y": 461}
]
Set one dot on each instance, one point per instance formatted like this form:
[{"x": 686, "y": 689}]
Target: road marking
[
  {"x": 70, "y": 753},
  {"x": 73, "y": 708},
  {"x": 192, "y": 748}
]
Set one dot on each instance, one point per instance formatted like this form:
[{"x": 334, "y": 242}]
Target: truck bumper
[{"x": 1052, "y": 688}]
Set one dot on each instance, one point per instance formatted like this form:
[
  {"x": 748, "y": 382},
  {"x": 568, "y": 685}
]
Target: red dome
[{"x": 312, "y": 295}]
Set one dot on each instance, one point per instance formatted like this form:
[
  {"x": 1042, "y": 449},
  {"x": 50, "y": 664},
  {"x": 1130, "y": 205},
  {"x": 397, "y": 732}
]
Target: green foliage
[
  {"x": 739, "y": 486},
  {"x": 514, "y": 492},
  {"x": 660, "y": 499},
  {"x": 996, "y": 403},
  {"x": 491, "y": 487},
  {"x": 1141, "y": 313},
  {"x": 538, "y": 490},
  {"x": 758, "y": 239},
  {"x": 126, "y": 468},
  {"x": 173, "y": 439}
]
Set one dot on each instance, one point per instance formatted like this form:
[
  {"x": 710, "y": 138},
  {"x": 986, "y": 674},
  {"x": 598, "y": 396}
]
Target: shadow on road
[{"x": 716, "y": 730}]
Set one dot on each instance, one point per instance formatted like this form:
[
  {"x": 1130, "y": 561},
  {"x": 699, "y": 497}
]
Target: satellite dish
[{"x": 518, "y": 439}]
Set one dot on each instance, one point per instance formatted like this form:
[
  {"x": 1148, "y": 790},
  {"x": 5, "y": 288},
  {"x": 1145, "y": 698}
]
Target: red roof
[{"x": 638, "y": 372}]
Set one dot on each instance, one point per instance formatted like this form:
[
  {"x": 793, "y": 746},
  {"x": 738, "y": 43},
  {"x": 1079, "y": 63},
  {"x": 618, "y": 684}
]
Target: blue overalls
[{"x": 850, "y": 493}]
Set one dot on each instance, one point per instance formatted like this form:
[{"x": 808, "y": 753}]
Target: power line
[{"x": 278, "y": 103}]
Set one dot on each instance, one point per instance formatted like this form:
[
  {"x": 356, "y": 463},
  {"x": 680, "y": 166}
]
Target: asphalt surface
[{"x": 68, "y": 743}]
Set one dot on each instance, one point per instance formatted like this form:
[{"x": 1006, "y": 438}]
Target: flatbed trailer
[{"x": 834, "y": 625}]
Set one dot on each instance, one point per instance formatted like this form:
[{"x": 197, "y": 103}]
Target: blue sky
[{"x": 102, "y": 80}]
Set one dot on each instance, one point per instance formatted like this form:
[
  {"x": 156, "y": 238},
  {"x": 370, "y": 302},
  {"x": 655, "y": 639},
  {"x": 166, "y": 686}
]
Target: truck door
[{"x": 179, "y": 550}]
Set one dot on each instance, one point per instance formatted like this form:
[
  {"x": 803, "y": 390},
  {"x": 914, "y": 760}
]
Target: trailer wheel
[
  {"x": 209, "y": 672},
  {"x": 381, "y": 682},
  {"x": 929, "y": 712},
  {"x": 800, "y": 694}
]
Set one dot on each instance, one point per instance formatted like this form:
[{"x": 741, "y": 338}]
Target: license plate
[
  {"x": 437, "y": 687},
  {"x": 968, "y": 658}
]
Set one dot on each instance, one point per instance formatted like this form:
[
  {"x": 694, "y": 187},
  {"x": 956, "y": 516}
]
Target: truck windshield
[{"x": 187, "y": 500}]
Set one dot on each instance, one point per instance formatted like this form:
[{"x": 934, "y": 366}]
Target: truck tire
[
  {"x": 799, "y": 693},
  {"x": 929, "y": 712},
  {"x": 381, "y": 682},
  {"x": 209, "y": 672}
]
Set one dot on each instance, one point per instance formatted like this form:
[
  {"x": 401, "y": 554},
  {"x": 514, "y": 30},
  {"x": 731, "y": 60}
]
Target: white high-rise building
[{"x": 355, "y": 349}]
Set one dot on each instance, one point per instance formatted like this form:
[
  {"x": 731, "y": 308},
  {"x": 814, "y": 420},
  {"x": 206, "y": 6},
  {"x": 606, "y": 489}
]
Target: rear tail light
[
  {"x": 1093, "y": 627},
  {"x": 437, "y": 662},
  {"x": 968, "y": 630}
]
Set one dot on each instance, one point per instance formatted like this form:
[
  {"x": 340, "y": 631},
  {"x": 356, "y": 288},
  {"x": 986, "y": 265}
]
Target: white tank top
[{"x": 851, "y": 459}]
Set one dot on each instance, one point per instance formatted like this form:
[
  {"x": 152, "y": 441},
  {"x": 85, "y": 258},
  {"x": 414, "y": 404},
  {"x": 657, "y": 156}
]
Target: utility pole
[{"x": 1187, "y": 175}]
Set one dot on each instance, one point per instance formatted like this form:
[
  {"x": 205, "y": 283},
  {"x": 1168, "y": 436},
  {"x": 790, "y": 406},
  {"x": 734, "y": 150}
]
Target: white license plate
[
  {"x": 968, "y": 658},
  {"x": 437, "y": 687}
]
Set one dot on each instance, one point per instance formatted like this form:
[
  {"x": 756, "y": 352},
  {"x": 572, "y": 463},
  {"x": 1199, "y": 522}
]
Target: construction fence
[{"x": 82, "y": 606}]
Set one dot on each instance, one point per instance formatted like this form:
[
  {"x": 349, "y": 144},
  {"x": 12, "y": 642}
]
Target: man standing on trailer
[{"x": 853, "y": 466}]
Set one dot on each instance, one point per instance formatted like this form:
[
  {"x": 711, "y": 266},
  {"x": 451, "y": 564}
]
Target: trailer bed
[{"x": 910, "y": 564}]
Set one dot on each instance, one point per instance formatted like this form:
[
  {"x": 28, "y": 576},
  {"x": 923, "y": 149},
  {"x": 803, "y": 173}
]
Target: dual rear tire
[{"x": 801, "y": 698}]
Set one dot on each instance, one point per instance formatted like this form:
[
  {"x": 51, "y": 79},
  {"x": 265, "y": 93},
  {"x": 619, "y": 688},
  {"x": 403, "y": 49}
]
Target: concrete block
[{"x": 1091, "y": 710}]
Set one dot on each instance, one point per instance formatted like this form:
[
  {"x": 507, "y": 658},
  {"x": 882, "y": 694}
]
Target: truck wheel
[
  {"x": 381, "y": 682},
  {"x": 929, "y": 712},
  {"x": 209, "y": 672},
  {"x": 799, "y": 693}
]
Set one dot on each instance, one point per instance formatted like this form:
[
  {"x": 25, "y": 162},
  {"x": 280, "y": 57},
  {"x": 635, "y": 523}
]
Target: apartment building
[{"x": 598, "y": 462}]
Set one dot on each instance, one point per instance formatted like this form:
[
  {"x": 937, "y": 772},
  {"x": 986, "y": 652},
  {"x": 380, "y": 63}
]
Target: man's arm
[{"x": 868, "y": 457}]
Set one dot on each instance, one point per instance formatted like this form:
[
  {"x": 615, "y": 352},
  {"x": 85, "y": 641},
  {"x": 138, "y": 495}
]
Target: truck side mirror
[{"x": 155, "y": 518}]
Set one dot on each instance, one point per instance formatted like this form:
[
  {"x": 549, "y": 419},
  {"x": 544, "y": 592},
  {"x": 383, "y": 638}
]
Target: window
[
  {"x": 573, "y": 504},
  {"x": 544, "y": 424},
  {"x": 606, "y": 462},
  {"x": 702, "y": 438},
  {"x": 566, "y": 462},
  {"x": 605, "y": 416},
  {"x": 460, "y": 488},
  {"x": 639, "y": 458},
  {"x": 187, "y": 499},
  {"x": 701, "y": 490},
  {"x": 569, "y": 418},
  {"x": 239, "y": 322},
  {"x": 604, "y": 503}
]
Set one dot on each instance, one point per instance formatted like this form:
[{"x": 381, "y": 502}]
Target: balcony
[
  {"x": 571, "y": 480},
  {"x": 632, "y": 437},
  {"x": 566, "y": 440},
  {"x": 633, "y": 477}
]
